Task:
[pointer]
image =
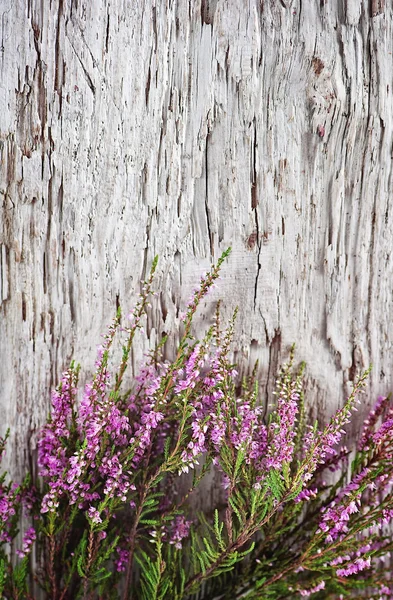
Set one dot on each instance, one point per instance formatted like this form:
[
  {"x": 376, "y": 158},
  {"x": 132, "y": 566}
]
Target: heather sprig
[
  {"x": 15, "y": 501},
  {"x": 120, "y": 469}
]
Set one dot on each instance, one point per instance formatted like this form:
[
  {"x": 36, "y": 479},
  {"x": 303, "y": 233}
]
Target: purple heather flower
[
  {"x": 94, "y": 515},
  {"x": 335, "y": 518},
  {"x": 307, "y": 495},
  {"x": 352, "y": 568},
  {"x": 387, "y": 516},
  {"x": 319, "y": 446},
  {"x": 12, "y": 498},
  {"x": 7, "y": 509},
  {"x": 384, "y": 433},
  {"x": 195, "y": 447},
  {"x": 51, "y": 453},
  {"x": 177, "y": 531},
  {"x": 281, "y": 434},
  {"x": 192, "y": 370},
  {"x": 369, "y": 423},
  {"x": 122, "y": 560},
  {"x": 28, "y": 540},
  {"x": 385, "y": 590},
  {"x": 317, "y": 588}
]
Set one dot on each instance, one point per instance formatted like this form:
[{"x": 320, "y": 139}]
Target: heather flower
[
  {"x": 335, "y": 519},
  {"x": 122, "y": 559},
  {"x": 7, "y": 509},
  {"x": 384, "y": 589},
  {"x": 282, "y": 432},
  {"x": 218, "y": 430},
  {"x": 386, "y": 516},
  {"x": 370, "y": 422},
  {"x": 352, "y": 568},
  {"x": 177, "y": 531},
  {"x": 317, "y": 588},
  {"x": 384, "y": 433},
  {"x": 94, "y": 515},
  {"x": 195, "y": 447},
  {"x": 52, "y": 458},
  {"x": 142, "y": 436},
  {"x": 117, "y": 483},
  {"x": 244, "y": 425},
  {"x": 306, "y": 495},
  {"x": 12, "y": 500},
  {"x": 191, "y": 371},
  {"x": 28, "y": 540},
  {"x": 319, "y": 446}
]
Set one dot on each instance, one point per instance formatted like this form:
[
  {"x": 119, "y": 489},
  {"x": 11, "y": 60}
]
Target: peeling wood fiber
[{"x": 178, "y": 128}]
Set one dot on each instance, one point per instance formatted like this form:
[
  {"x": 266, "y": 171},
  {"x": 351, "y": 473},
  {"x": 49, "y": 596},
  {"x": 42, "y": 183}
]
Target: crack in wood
[
  {"x": 107, "y": 34},
  {"x": 210, "y": 233}
]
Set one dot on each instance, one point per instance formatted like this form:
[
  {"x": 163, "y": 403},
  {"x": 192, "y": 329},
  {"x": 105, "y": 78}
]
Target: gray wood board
[{"x": 180, "y": 128}]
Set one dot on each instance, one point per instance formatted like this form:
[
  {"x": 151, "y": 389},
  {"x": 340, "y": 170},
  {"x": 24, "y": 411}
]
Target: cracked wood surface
[{"x": 180, "y": 128}]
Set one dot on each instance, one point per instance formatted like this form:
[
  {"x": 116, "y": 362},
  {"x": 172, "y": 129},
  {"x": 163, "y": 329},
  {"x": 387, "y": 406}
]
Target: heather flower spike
[{"x": 124, "y": 461}]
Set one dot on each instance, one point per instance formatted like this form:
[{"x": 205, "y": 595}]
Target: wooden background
[{"x": 180, "y": 127}]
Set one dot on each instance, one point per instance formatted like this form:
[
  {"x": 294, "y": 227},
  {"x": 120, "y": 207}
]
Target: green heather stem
[
  {"x": 139, "y": 313},
  {"x": 249, "y": 529},
  {"x": 51, "y": 569},
  {"x": 88, "y": 565},
  {"x": 131, "y": 548}
]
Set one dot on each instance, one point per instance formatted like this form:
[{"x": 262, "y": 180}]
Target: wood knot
[
  {"x": 318, "y": 65},
  {"x": 252, "y": 240}
]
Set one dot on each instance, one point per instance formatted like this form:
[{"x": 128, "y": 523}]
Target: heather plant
[{"x": 112, "y": 517}]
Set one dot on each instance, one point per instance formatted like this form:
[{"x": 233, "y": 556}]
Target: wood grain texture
[{"x": 179, "y": 128}]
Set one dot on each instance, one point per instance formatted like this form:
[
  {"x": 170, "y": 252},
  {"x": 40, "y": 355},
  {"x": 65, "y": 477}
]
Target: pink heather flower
[
  {"x": 29, "y": 497},
  {"x": 320, "y": 446},
  {"x": 387, "y": 516},
  {"x": 385, "y": 590},
  {"x": 317, "y": 445},
  {"x": 177, "y": 531},
  {"x": 244, "y": 426},
  {"x": 7, "y": 509},
  {"x": 307, "y": 495},
  {"x": 282, "y": 433},
  {"x": 122, "y": 560},
  {"x": 369, "y": 423},
  {"x": 352, "y": 568},
  {"x": 192, "y": 370},
  {"x": 336, "y": 461},
  {"x": 28, "y": 540},
  {"x": 217, "y": 430},
  {"x": 346, "y": 503},
  {"x": 340, "y": 560},
  {"x": 51, "y": 453},
  {"x": 351, "y": 556},
  {"x": 335, "y": 519},
  {"x": 117, "y": 482},
  {"x": 384, "y": 433},
  {"x": 196, "y": 446},
  {"x": 12, "y": 498},
  {"x": 94, "y": 515},
  {"x": 143, "y": 433},
  {"x": 320, "y": 586}
]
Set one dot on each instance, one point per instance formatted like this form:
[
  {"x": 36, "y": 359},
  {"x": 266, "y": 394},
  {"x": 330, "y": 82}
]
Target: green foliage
[
  {"x": 3, "y": 567},
  {"x": 19, "y": 576}
]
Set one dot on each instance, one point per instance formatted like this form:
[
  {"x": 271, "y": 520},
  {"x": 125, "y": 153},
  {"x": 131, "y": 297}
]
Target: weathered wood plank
[{"x": 181, "y": 128}]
